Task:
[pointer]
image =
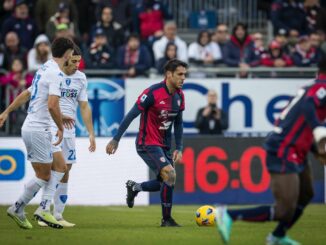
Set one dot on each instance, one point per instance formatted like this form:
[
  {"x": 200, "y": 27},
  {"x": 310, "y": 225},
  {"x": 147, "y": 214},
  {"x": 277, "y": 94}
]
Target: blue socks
[
  {"x": 258, "y": 214},
  {"x": 151, "y": 185},
  {"x": 166, "y": 200}
]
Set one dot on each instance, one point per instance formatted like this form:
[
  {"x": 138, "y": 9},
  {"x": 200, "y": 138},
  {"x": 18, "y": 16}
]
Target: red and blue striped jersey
[
  {"x": 158, "y": 109},
  {"x": 292, "y": 137}
]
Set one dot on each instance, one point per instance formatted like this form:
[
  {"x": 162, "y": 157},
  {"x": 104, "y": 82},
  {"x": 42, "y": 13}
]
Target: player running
[
  {"x": 160, "y": 106},
  {"x": 300, "y": 128},
  {"x": 44, "y": 104}
]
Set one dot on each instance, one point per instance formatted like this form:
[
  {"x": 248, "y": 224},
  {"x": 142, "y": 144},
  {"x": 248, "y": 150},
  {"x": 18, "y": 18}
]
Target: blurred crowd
[{"x": 136, "y": 35}]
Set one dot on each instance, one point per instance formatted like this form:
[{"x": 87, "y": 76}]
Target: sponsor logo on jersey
[
  {"x": 69, "y": 93},
  {"x": 12, "y": 165}
]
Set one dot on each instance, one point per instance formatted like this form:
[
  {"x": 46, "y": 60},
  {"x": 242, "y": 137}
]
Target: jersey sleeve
[
  {"x": 83, "y": 93},
  {"x": 55, "y": 81},
  {"x": 145, "y": 100},
  {"x": 318, "y": 94},
  {"x": 30, "y": 89}
]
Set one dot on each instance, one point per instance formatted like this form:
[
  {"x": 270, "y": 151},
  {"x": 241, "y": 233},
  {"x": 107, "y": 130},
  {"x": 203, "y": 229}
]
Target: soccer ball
[{"x": 205, "y": 216}]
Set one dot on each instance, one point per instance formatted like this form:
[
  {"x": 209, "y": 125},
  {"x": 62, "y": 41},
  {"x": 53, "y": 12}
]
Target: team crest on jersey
[
  {"x": 162, "y": 159},
  {"x": 321, "y": 93},
  {"x": 143, "y": 97},
  {"x": 68, "y": 81}
]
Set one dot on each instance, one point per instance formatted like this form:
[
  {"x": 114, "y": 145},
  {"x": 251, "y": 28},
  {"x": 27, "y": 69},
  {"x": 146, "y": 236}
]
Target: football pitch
[{"x": 140, "y": 225}]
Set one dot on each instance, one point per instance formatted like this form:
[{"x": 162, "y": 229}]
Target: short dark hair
[
  {"x": 77, "y": 50},
  {"x": 172, "y": 65},
  {"x": 60, "y": 46}
]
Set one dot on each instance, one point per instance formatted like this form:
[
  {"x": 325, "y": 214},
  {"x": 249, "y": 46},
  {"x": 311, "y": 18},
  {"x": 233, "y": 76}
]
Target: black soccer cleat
[
  {"x": 131, "y": 194},
  {"x": 170, "y": 222}
]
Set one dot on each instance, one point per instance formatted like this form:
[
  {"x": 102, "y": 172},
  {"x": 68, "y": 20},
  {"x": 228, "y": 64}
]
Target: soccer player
[
  {"x": 73, "y": 93},
  {"x": 160, "y": 106},
  {"x": 44, "y": 104},
  {"x": 299, "y": 129}
]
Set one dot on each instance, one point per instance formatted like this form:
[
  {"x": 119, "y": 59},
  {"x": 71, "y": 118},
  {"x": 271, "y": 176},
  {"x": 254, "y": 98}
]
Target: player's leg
[
  {"x": 168, "y": 176},
  {"x": 285, "y": 188},
  {"x": 133, "y": 188},
  {"x": 43, "y": 213},
  {"x": 38, "y": 146},
  {"x": 58, "y": 170},
  {"x": 305, "y": 195},
  {"x": 60, "y": 199}
]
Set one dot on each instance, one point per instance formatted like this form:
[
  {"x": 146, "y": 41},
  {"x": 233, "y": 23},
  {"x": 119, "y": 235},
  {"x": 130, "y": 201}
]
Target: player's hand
[
  {"x": 59, "y": 135},
  {"x": 177, "y": 156},
  {"x": 92, "y": 143},
  {"x": 68, "y": 122},
  {"x": 112, "y": 146},
  {"x": 3, "y": 118}
]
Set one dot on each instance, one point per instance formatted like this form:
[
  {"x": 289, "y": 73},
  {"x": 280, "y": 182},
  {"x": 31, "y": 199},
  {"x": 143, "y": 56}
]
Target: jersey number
[
  {"x": 35, "y": 81},
  {"x": 72, "y": 155}
]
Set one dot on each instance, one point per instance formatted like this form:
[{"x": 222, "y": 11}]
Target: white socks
[
  {"x": 50, "y": 189},
  {"x": 31, "y": 189},
  {"x": 60, "y": 200}
]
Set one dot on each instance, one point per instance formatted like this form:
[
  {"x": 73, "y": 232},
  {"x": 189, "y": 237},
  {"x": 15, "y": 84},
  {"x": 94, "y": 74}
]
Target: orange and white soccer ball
[{"x": 205, "y": 216}]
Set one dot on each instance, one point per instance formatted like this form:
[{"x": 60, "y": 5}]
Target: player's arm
[
  {"x": 311, "y": 102},
  {"x": 87, "y": 119},
  {"x": 113, "y": 144},
  {"x": 144, "y": 101},
  {"x": 53, "y": 104},
  {"x": 178, "y": 132},
  {"x": 20, "y": 100}
]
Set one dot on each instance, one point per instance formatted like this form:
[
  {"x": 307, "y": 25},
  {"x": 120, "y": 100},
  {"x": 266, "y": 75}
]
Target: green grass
[{"x": 140, "y": 225}]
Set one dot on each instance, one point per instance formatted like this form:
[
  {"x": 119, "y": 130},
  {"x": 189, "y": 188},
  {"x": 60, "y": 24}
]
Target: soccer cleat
[
  {"x": 47, "y": 218},
  {"x": 224, "y": 223},
  {"x": 273, "y": 240},
  {"x": 131, "y": 194},
  {"x": 170, "y": 222},
  {"x": 19, "y": 218},
  {"x": 65, "y": 223},
  {"x": 41, "y": 223}
]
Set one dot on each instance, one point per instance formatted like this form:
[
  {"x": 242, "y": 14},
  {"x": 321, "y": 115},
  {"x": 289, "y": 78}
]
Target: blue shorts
[
  {"x": 282, "y": 166},
  {"x": 155, "y": 157}
]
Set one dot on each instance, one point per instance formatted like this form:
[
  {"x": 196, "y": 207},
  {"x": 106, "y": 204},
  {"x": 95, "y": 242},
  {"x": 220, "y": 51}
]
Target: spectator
[
  {"x": 211, "y": 119},
  {"x": 100, "y": 55},
  {"x": 312, "y": 9},
  {"x": 22, "y": 24},
  {"x": 305, "y": 55},
  {"x": 38, "y": 55},
  {"x": 44, "y": 9},
  {"x": 236, "y": 50},
  {"x": 258, "y": 50},
  {"x": 149, "y": 18},
  {"x": 17, "y": 78},
  {"x": 6, "y": 9},
  {"x": 315, "y": 40},
  {"x": 112, "y": 29},
  {"x": 221, "y": 36},
  {"x": 170, "y": 35},
  {"x": 282, "y": 38},
  {"x": 204, "y": 51},
  {"x": 134, "y": 57},
  {"x": 275, "y": 56},
  {"x": 62, "y": 16},
  {"x": 122, "y": 11},
  {"x": 13, "y": 49},
  {"x": 290, "y": 16},
  {"x": 169, "y": 54}
]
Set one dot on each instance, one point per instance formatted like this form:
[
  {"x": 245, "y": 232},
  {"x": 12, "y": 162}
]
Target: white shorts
[
  {"x": 38, "y": 146},
  {"x": 67, "y": 147}
]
